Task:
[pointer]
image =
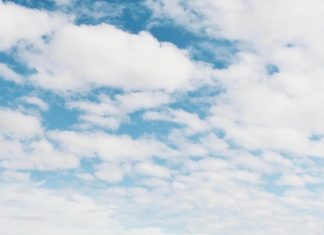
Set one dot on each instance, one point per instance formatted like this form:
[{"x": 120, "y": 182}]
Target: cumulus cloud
[
  {"x": 266, "y": 107},
  {"x": 16, "y": 22},
  {"x": 110, "y": 147},
  {"x": 16, "y": 124},
  {"x": 249, "y": 162},
  {"x": 109, "y": 172},
  {"x": 261, "y": 108},
  {"x": 79, "y": 57},
  {"x": 70, "y": 57}
]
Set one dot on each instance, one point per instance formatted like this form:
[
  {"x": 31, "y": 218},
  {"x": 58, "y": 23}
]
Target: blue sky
[{"x": 161, "y": 117}]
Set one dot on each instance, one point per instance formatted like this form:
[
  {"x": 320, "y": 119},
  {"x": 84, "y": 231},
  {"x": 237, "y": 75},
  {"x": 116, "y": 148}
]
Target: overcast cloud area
[{"x": 162, "y": 117}]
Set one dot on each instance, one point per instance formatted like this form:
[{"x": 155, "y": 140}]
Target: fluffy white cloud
[
  {"x": 35, "y": 155},
  {"x": 59, "y": 150},
  {"x": 269, "y": 112},
  {"x": 117, "y": 148},
  {"x": 80, "y": 57},
  {"x": 110, "y": 172},
  {"x": 15, "y": 176},
  {"x": 244, "y": 168},
  {"x": 69, "y": 57},
  {"x": 19, "y": 24},
  {"x": 150, "y": 169},
  {"x": 296, "y": 180},
  {"x": 23, "y": 144},
  {"x": 258, "y": 108},
  {"x": 16, "y": 124},
  {"x": 227, "y": 198}
]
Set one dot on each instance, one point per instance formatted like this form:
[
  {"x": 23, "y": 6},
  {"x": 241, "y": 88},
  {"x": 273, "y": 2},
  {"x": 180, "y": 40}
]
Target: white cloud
[
  {"x": 109, "y": 172},
  {"x": 10, "y": 148},
  {"x": 79, "y": 57},
  {"x": 85, "y": 56},
  {"x": 35, "y": 155},
  {"x": 216, "y": 145},
  {"x": 117, "y": 148},
  {"x": 15, "y": 176},
  {"x": 191, "y": 120},
  {"x": 44, "y": 211},
  {"x": 207, "y": 184},
  {"x": 59, "y": 150},
  {"x": 16, "y": 124},
  {"x": 262, "y": 23},
  {"x": 259, "y": 110},
  {"x": 296, "y": 180},
  {"x": 110, "y": 113},
  {"x": 45, "y": 156},
  {"x": 101, "y": 121},
  {"x": 150, "y": 169},
  {"x": 224, "y": 196},
  {"x": 33, "y": 100},
  {"x": 8, "y": 74},
  {"x": 32, "y": 209},
  {"x": 19, "y": 24},
  {"x": 85, "y": 176},
  {"x": 141, "y": 100},
  {"x": 40, "y": 211}
]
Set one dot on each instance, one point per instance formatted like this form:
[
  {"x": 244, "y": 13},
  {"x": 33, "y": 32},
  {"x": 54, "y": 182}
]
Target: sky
[{"x": 161, "y": 117}]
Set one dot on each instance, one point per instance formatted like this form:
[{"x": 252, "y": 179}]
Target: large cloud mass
[{"x": 108, "y": 131}]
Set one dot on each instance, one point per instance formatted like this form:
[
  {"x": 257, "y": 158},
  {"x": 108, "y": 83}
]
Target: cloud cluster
[
  {"x": 249, "y": 162},
  {"x": 263, "y": 108},
  {"x": 110, "y": 113}
]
